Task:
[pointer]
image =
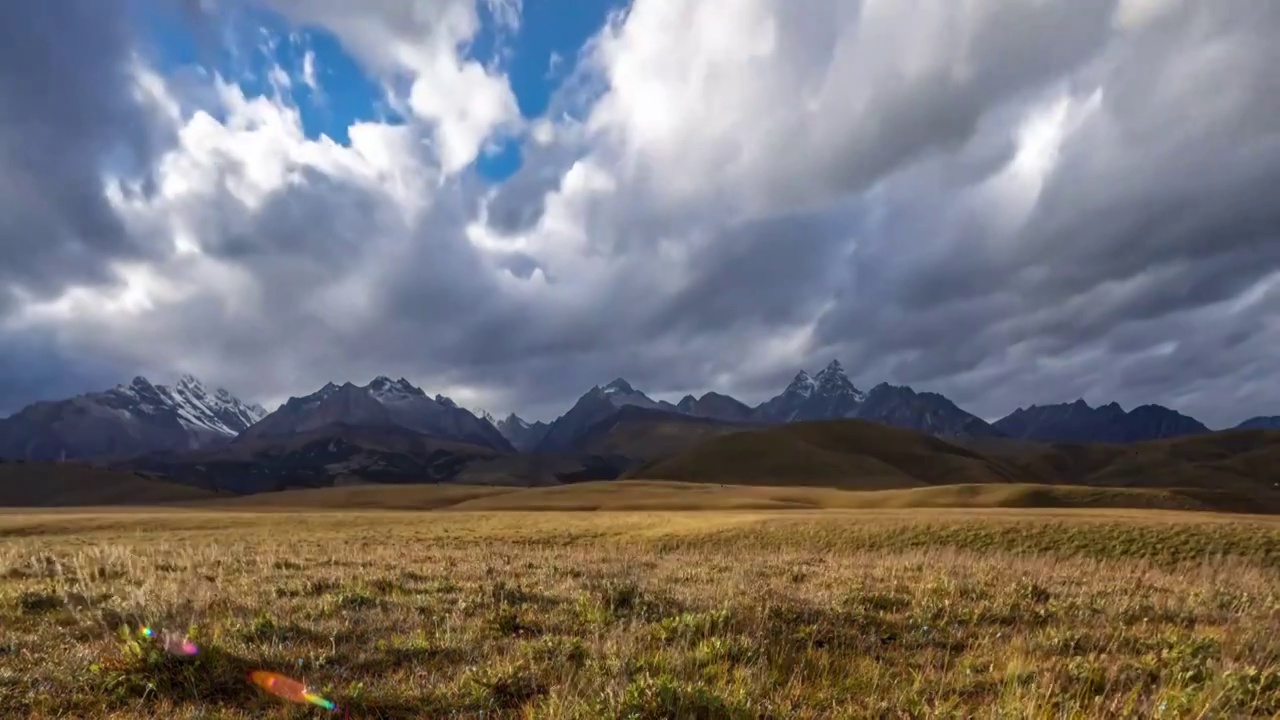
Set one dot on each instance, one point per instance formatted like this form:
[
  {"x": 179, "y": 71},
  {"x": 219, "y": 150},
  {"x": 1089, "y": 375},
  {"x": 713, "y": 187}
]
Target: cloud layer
[{"x": 1005, "y": 201}]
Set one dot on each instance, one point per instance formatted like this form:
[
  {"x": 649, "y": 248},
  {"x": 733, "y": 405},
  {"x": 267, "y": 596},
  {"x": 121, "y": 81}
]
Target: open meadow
[{"x": 737, "y": 613}]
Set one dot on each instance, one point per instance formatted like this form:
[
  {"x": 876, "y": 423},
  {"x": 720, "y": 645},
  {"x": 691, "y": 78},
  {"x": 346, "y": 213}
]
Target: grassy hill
[
  {"x": 852, "y": 454},
  {"x": 34, "y": 484},
  {"x": 1236, "y": 470},
  {"x": 1240, "y": 461},
  {"x": 642, "y": 495},
  {"x": 344, "y": 454},
  {"x": 848, "y": 454},
  {"x": 643, "y": 434}
]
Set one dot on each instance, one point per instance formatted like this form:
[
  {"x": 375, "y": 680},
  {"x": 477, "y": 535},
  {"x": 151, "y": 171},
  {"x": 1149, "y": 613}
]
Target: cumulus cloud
[{"x": 1004, "y": 201}]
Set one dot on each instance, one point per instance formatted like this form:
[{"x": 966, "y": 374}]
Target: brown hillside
[
  {"x": 651, "y": 495},
  {"x": 1240, "y": 461},
  {"x": 850, "y": 454},
  {"x": 859, "y": 455},
  {"x": 643, "y": 434},
  {"x": 33, "y": 484}
]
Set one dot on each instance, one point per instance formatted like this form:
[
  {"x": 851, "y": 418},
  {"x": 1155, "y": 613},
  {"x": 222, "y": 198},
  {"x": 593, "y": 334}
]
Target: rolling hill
[
  {"x": 643, "y": 496},
  {"x": 643, "y": 434},
  {"x": 859, "y": 455},
  {"x": 39, "y": 484},
  {"x": 848, "y": 454}
]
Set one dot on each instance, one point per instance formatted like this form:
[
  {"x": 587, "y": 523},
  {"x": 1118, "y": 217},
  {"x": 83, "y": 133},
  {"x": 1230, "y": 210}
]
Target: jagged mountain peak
[
  {"x": 801, "y": 384},
  {"x": 382, "y": 403},
  {"x": 833, "y": 368},
  {"x": 134, "y": 418},
  {"x": 513, "y": 420},
  {"x": 618, "y": 385},
  {"x": 384, "y": 389}
]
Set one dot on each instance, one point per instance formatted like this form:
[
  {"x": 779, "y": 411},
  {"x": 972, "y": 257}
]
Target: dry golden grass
[
  {"x": 735, "y": 614},
  {"x": 619, "y": 495}
]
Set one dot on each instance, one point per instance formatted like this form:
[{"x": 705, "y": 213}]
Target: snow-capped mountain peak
[
  {"x": 384, "y": 390},
  {"x": 618, "y": 386},
  {"x": 832, "y": 380},
  {"x": 515, "y": 421},
  {"x": 801, "y": 385},
  {"x": 619, "y": 393},
  {"x": 193, "y": 405}
]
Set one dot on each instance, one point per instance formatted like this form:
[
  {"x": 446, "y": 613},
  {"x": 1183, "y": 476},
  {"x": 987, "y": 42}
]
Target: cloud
[
  {"x": 416, "y": 44},
  {"x": 1004, "y": 201},
  {"x": 34, "y": 366},
  {"x": 64, "y": 121}
]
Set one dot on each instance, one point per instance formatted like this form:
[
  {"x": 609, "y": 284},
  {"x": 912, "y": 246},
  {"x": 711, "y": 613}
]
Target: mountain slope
[
  {"x": 716, "y": 406},
  {"x": 641, "y": 434},
  {"x": 925, "y": 412},
  {"x": 40, "y": 484},
  {"x": 1261, "y": 423},
  {"x": 851, "y": 454},
  {"x": 381, "y": 403},
  {"x": 316, "y": 457},
  {"x": 597, "y": 404},
  {"x": 125, "y": 420},
  {"x": 1078, "y": 422},
  {"x": 829, "y": 395},
  {"x": 522, "y": 435}
]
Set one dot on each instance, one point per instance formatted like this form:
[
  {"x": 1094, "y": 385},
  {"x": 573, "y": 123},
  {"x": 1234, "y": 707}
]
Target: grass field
[{"x": 714, "y": 614}]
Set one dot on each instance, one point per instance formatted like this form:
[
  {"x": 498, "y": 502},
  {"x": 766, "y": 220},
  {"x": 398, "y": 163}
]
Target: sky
[{"x": 509, "y": 201}]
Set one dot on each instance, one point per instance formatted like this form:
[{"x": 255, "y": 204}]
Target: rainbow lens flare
[
  {"x": 173, "y": 643},
  {"x": 288, "y": 689}
]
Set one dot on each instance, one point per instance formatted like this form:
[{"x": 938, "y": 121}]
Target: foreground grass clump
[{"x": 705, "y": 615}]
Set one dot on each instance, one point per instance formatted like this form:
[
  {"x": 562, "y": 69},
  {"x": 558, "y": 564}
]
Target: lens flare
[
  {"x": 172, "y": 642},
  {"x": 288, "y": 689}
]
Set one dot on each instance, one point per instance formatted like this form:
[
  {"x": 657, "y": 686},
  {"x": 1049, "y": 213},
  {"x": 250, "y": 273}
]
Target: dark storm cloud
[
  {"x": 1159, "y": 210},
  {"x": 34, "y": 367},
  {"x": 66, "y": 112},
  {"x": 780, "y": 268}
]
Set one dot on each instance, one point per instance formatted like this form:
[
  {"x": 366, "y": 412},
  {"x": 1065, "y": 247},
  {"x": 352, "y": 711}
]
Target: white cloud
[
  {"x": 309, "y": 77},
  {"x": 998, "y": 199},
  {"x": 463, "y": 100}
]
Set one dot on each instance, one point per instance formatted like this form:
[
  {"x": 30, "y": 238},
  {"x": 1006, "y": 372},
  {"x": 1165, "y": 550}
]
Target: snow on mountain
[
  {"x": 127, "y": 419},
  {"x": 833, "y": 382},
  {"x": 597, "y": 404},
  {"x": 620, "y": 394},
  {"x": 801, "y": 386},
  {"x": 194, "y": 405},
  {"x": 385, "y": 390},
  {"x": 828, "y": 395},
  {"x": 383, "y": 402}
]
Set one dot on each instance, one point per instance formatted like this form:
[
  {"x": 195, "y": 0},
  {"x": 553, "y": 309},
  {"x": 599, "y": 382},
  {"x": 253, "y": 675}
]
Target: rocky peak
[
  {"x": 833, "y": 381},
  {"x": 618, "y": 386},
  {"x": 802, "y": 385},
  {"x": 514, "y": 421},
  {"x": 383, "y": 388}
]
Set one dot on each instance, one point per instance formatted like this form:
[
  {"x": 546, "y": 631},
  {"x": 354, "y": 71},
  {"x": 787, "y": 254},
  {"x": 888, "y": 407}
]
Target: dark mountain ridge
[{"x": 1079, "y": 422}]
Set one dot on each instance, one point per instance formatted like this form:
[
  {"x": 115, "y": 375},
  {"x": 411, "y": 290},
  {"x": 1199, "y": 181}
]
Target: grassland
[{"x": 713, "y": 614}]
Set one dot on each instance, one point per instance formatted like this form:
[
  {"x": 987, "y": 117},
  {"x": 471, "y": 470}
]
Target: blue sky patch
[{"x": 246, "y": 45}]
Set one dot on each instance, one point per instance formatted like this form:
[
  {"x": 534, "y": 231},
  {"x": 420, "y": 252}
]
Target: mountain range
[
  {"x": 128, "y": 420},
  {"x": 143, "y": 418}
]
